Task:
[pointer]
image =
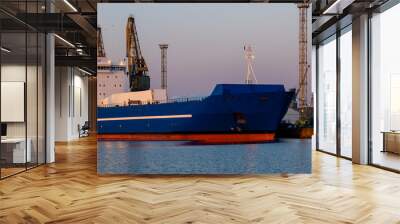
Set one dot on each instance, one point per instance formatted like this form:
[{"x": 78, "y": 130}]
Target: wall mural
[{"x": 202, "y": 89}]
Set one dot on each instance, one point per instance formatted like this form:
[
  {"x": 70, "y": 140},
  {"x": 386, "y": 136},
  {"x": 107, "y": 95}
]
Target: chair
[{"x": 84, "y": 130}]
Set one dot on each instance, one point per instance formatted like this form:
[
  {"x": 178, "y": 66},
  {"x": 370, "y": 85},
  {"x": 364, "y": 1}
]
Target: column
[
  {"x": 50, "y": 98},
  {"x": 360, "y": 90}
]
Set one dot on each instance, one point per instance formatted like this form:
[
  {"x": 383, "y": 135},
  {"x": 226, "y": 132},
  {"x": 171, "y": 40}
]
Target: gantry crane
[
  {"x": 137, "y": 68},
  {"x": 302, "y": 101}
]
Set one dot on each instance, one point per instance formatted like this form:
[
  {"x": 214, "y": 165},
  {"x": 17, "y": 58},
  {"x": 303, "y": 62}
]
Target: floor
[
  {"x": 70, "y": 191},
  {"x": 10, "y": 171},
  {"x": 387, "y": 159},
  {"x": 5, "y": 172}
]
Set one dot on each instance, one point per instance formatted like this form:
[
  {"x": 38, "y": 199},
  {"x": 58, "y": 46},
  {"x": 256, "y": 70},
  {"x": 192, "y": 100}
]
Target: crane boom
[{"x": 137, "y": 68}]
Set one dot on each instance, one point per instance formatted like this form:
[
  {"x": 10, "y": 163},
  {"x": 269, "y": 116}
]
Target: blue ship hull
[{"x": 231, "y": 108}]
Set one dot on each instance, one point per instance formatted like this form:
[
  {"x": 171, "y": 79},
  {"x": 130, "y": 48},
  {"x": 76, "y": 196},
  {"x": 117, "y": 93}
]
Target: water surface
[{"x": 179, "y": 157}]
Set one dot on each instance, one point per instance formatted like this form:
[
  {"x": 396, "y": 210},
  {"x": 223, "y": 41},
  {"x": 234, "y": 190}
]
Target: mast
[{"x": 249, "y": 56}]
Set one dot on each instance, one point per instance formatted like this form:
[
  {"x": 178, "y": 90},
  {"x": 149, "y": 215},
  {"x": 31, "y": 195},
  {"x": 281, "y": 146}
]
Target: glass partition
[
  {"x": 385, "y": 89},
  {"x": 14, "y": 153},
  {"x": 31, "y": 98},
  {"x": 22, "y": 88},
  {"x": 327, "y": 96},
  {"x": 346, "y": 93},
  {"x": 41, "y": 97}
]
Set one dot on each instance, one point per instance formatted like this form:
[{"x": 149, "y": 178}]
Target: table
[
  {"x": 391, "y": 141},
  {"x": 15, "y": 148}
]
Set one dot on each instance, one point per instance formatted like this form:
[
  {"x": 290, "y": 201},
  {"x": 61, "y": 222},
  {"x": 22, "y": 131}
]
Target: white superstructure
[
  {"x": 111, "y": 79},
  {"x": 136, "y": 98}
]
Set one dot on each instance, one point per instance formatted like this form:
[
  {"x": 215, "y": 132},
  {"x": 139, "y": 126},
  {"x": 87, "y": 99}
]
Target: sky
[{"x": 206, "y": 42}]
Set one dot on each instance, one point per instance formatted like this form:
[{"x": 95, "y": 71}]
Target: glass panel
[
  {"x": 385, "y": 84},
  {"x": 32, "y": 88},
  {"x": 346, "y": 94},
  {"x": 31, "y": 98},
  {"x": 313, "y": 88},
  {"x": 41, "y": 98},
  {"x": 13, "y": 86},
  {"x": 23, "y": 90},
  {"x": 327, "y": 96}
]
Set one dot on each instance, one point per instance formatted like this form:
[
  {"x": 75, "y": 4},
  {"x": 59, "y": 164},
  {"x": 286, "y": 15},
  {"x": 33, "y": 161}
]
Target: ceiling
[{"x": 76, "y": 21}]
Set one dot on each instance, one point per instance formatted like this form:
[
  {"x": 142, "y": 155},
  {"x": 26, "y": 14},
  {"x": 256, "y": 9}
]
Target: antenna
[{"x": 249, "y": 57}]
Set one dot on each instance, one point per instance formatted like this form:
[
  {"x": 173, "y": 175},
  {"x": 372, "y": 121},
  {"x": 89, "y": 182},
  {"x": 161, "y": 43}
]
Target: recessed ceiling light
[
  {"x": 70, "y": 5},
  {"x": 5, "y": 50},
  {"x": 337, "y": 7},
  {"x": 64, "y": 40},
  {"x": 86, "y": 72}
]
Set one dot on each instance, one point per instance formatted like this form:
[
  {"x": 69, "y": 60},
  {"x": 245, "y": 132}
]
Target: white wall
[
  {"x": 62, "y": 113},
  {"x": 80, "y": 110},
  {"x": 71, "y": 102},
  {"x": 16, "y": 73}
]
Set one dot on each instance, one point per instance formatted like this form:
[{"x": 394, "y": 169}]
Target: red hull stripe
[{"x": 204, "y": 138}]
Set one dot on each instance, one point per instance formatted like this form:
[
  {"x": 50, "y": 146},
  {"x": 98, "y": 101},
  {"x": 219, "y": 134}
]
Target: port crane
[
  {"x": 137, "y": 68},
  {"x": 100, "y": 46},
  {"x": 303, "y": 106}
]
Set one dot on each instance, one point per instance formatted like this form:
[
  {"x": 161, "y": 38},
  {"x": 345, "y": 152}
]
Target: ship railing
[
  {"x": 183, "y": 100},
  {"x": 175, "y": 100}
]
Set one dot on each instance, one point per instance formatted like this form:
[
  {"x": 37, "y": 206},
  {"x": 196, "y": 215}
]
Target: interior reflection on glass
[
  {"x": 385, "y": 85},
  {"x": 327, "y": 96},
  {"x": 346, "y": 94}
]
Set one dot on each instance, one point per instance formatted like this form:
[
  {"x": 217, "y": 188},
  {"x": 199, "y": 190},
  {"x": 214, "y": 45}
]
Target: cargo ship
[{"x": 232, "y": 113}]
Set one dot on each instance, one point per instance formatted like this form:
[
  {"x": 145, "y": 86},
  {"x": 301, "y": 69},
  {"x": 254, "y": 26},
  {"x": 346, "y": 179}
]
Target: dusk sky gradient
[{"x": 206, "y": 42}]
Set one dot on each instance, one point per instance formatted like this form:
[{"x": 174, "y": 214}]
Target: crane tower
[
  {"x": 137, "y": 68},
  {"x": 303, "y": 60},
  {"x": 163, "y": 48}
]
